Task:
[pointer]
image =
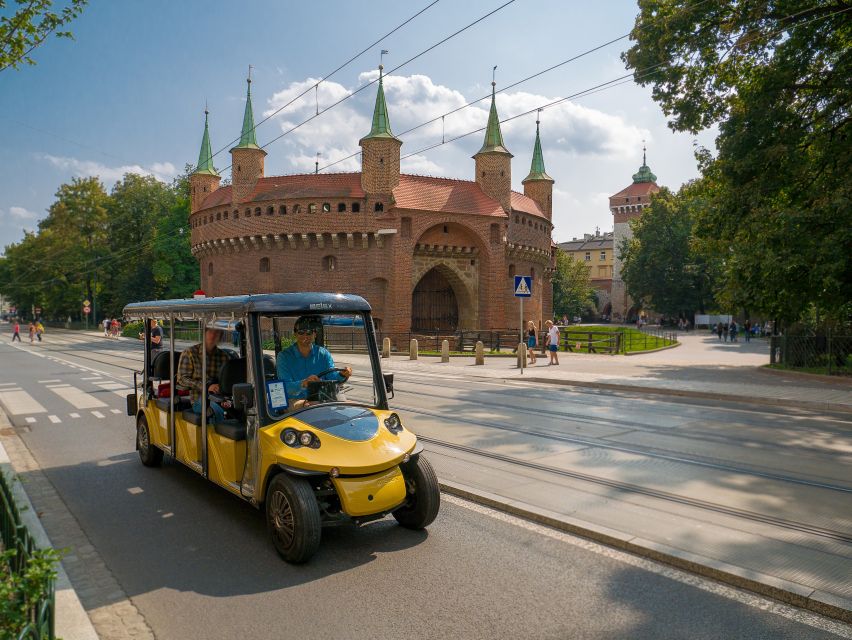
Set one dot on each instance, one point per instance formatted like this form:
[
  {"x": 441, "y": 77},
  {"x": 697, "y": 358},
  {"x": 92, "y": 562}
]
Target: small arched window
[
  {"x": 257, "y": 211},
  {"x": 379, "y": 207},
  {"x": 511, "y": 271},
  {"x": 248, "y": 212},
  {"x": 218, "y": 215},
  {"x": 270, "y": 211},
  {"x": 532, "y": 273},
  {"x": 326, "y": 207},
  {"x": 236, "y": 215},
  {"x": 341, "y": 207},
  {"x": 209, "y": 268},
  {"x": 297, "y": 208},
  {"x": 312, "y": 208},
  {"x": 264, "y": 265},
  {"x": 356, "y": 207},
  {"x": 225, "y": 215},
  {"x": 282, "y": 209},
  {"x": 329, "y": 263}
]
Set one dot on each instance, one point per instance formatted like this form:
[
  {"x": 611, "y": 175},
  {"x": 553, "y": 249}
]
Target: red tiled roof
[
  {"x": 444, "y": 194},
  {"x": 424, "y": 193},
  {"x": 637, "y": 189},
  {"x": 525, "y": 204},
  {"x": 304, "y": 185}
]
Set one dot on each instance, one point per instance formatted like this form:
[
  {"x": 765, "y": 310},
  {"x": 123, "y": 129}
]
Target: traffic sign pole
[{"x": 523, "y": 360}]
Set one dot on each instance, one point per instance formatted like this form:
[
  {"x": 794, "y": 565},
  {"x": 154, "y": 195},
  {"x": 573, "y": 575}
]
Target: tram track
[
  {"x": 704, "y": 505},
  {"x": 657, "y": 453}
]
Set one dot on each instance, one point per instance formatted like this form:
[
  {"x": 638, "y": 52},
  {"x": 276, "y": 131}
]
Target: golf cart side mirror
[
  {"x": 388, "y": 383},
  {"x": 243, "y": 396}
]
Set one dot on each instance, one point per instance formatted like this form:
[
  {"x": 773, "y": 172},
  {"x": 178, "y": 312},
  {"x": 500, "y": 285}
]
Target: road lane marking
[
  {"x": 8, "y": 384},
  {"x": 47, "y": 381},
  {"x": 77, "y": 397},
  {"x": 31, "y": 420},
  {"x": 54, "y": 419},
  {"x": 74, "y": 415},
  {"x": 109, "y": 385},
  {"x": 92, "y": 378},
  {"x": 115, "y": 410},
  {"x": 18, "y": 401},
  {"x": 98, "y": 414}
]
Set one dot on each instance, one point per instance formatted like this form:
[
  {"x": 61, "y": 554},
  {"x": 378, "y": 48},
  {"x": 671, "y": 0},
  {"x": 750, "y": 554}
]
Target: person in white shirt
[{"x": 552, "y": 341}]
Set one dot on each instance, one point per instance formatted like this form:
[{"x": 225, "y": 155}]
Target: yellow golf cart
[{"x": 288, "y": 413}]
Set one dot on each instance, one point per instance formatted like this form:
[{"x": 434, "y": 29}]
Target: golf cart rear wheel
[
  {"x": 424, "y": 495},
  {"x": 293, "y": 518}
]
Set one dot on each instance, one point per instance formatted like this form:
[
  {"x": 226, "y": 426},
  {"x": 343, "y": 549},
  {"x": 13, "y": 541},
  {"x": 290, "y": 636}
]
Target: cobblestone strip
[{"x": 112, "y": 613}]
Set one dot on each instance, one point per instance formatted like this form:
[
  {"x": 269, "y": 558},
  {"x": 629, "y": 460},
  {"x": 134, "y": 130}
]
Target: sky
[{"x": 128, "y": 94}]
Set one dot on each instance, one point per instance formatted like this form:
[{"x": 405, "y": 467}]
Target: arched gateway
[{"x": 434, "y": 304}]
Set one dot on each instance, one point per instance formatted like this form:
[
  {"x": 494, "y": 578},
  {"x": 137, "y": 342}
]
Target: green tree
[
  {"x": 774, "y": 76},
  {"x": 175, "y": 269},
  {"x": 573, "y": 294},
  {"x": 661, "y": 264},
  {"x": 29, "y": 26}
]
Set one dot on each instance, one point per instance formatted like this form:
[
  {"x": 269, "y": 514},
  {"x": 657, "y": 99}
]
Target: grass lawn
[{"x": 633, "y": 339}]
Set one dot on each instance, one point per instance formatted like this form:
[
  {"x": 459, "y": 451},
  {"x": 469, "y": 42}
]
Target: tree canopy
[
  {"x": 573, "y": 294},
  {"x": 773, "y": 75},
  {"x": 30, "y": 25}
]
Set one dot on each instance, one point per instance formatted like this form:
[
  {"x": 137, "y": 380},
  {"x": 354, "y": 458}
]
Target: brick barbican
[{"x": 427, "y": 253}]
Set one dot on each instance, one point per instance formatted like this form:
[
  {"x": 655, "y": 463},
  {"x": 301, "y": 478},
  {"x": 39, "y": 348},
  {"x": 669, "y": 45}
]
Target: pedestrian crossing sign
[{"x": 523, "y": 286}]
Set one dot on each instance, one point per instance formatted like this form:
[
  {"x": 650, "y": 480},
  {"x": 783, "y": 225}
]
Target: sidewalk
[{"x": 701, "y": 367}]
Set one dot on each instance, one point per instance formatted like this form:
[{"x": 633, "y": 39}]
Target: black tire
[
  {"x": 149, "y": 454},
  {"x": 424, "y": 495},
  {"x": 293, "y": 518}
]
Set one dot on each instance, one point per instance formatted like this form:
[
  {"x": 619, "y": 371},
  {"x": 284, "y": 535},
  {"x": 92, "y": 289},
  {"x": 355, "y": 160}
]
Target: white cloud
[
  {"x": 22, "y": 214},
  {"x": 163, "y": 171}
]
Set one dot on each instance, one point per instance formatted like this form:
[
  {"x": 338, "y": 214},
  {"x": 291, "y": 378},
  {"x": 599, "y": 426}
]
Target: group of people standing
[
  {"x": 551, "y": 341},
  {"x": 112, "y": 327},
  {"x": 36, "y": 331}
]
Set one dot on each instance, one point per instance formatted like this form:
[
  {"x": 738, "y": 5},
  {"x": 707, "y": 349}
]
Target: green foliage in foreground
[
  {"x": 22, "y": 31},
  {"x": 19, "y": 593}
]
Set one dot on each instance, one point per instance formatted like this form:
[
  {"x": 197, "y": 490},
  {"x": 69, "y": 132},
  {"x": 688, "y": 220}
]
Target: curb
[
  {"x": 790, "y": 593},
  {"x": 706, "y": 395},
  {"x": 786, "y": 373},
  {"x": 642, "y": 353},
  {"x": 72, "y": 621}
]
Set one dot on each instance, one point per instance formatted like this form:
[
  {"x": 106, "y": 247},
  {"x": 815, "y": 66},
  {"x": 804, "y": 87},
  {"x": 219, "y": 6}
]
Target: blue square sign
[{"x": 523, "y": 286}]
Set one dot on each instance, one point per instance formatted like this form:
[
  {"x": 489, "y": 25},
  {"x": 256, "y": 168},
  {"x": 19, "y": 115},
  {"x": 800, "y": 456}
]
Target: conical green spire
[
  {"x": 493, "y": 137},
  {"x": 381, "y": 122},
  {"x": 205, "y": 156},
  {"x": 644, "y": 174},
  {"x": 247, "y": 139},
  {"x": 537, "y": 171}
]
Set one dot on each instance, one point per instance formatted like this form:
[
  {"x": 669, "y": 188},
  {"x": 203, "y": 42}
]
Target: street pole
[{"x": 521, "y": 325}]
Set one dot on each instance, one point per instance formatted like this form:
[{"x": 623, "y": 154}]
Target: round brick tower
[{"x": 246, "y": 158}]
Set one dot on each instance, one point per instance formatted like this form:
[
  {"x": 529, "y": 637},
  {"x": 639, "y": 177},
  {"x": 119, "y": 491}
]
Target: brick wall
[
  {"x": 380, "y": 165},
  {"x": 494, "y": 176},
  {"x": 247, "y": 166}
]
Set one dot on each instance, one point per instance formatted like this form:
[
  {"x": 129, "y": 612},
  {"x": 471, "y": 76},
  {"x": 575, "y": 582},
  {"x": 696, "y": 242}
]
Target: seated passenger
[
  {"x": 299, "y": 364},
  {"x": 189, "y": 372}
]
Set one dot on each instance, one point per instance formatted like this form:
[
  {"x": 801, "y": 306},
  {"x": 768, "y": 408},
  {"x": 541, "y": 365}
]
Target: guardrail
[
  {"x": 40, "y": 612},
  {"x": 827, "y": 354}
]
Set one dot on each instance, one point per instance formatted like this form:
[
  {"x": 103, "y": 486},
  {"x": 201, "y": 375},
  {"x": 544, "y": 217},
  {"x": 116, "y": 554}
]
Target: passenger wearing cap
[{"x": 299, "y": 364}]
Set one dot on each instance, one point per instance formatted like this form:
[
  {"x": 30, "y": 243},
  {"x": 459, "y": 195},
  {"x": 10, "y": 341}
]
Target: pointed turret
[
  {"x": 247, "y": 158},
  {"x": 644, "y": 174},
  {"x": 493, "y": 160},
  {"x": 538, "y": 185},
  {"x": 204, "y": 180},
  {"x": 380, "y": 155}
]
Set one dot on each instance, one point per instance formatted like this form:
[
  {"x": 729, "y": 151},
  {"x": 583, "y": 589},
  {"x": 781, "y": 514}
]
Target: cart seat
[
  {"x": 181, "y": 402},
  {"x": 231, "y": 429},
  {"x": 190, "y": 416}
]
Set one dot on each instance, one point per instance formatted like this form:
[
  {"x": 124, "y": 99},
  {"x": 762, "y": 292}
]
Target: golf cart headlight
[
  {"x": 289, "y": 437},
  {"x": 306, "y": 438},
  {"x": 393, "y": 423}
]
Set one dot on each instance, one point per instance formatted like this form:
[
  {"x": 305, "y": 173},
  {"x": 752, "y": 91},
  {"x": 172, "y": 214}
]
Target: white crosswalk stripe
[
  {"x": 31, "y": 420},
  {"x": 74, "y": 415},
  {"x": 98, "y": 414},
  {"x": 77, "y": 397},
  {"x": 115, "y": 410},
  {"x": 17, "y": 402},
  {"x": 54, "y": 419}
]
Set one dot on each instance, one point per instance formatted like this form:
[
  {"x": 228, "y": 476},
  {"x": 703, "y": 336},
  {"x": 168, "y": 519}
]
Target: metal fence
[
  {"x": 17, "y": 538},
  {"x": 826, "y": 354}
]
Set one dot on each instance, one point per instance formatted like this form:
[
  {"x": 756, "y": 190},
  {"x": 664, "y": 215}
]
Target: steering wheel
[{"x": 332, "y": 370}]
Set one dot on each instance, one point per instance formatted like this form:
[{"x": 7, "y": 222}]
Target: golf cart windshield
[{"x": 314, "y": 358}]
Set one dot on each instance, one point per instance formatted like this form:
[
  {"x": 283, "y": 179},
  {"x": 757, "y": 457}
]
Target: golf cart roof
[{"x": 286, "y": 303}]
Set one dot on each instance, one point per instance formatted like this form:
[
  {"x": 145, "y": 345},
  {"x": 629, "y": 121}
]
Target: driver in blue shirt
[{"x": 299, "y": 364}]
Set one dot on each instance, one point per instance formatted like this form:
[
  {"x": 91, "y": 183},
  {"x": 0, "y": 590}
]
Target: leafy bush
[
  {"x": 20, "y": 593},
  {"x": 132, "y": 329}
]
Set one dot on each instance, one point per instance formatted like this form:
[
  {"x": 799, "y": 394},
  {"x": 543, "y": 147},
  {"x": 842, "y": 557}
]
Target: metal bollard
[
  {"x": 522, "y": 355},
  {"x": 386, "y": 346},
  {"x": 445, "y": 351},
  {"x": 412, "y": 349},
  {"x": 480, "y": 352}
]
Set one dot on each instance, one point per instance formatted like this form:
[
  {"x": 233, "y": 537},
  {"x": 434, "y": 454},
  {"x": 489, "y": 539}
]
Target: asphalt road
[{"x": 196, "y": 563}]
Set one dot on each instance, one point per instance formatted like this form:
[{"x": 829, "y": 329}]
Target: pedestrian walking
[
  {"x": 747, "y": 329},
  {"x": 39, "y": 328},
  {"x": 114, "y": 327},
  {"x": 725, "y": 330},
  {"x": 16, "y": 334},
  {"x": 719, "y": 330},
  {"x": 106, "y": 327},
  {"x": 32, "y": 333},
  {"x": 552, "y": 342},
  {"x": 734, "y": 329},
  {"x": 532, "y": 340}
]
